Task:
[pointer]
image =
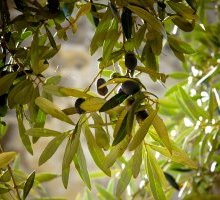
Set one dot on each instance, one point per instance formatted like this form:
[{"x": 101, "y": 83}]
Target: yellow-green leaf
[
  {"x": 92, "y": 104},
  {"x": 142, "y": 131},
  {"x": 50, "y": 108},
  {"x": 178, "y": 155},
  {"x": 51, "y": 148},
  {"x": 96, "y": 152},
  {"x": 6, "y": 158},
  {"x": 6, "y": 82},
  {"x": 41, "y": 132},
  {"x": 137, "y": 160},
  {"x": 73, "y": 92}
]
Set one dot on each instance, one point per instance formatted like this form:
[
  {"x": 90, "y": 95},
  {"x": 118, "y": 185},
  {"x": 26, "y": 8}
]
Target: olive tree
[{"x": 161, "y": 146}]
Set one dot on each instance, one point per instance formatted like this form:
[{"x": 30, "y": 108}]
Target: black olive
[
  {"x": 3, "y": 99},
  {"x": 104, "y": 90},
  {"x": 53, "y": 5},
  {"x": 130, "y": 87},
  {"x": 141, "y": 115},
  {"x": 162, "y": 5},
  {"x": 126, "y": 21},
  {"x": 20, "y": 5},
  {"x": 130, "y": 61},
  {"x": 78, "y": 102}
]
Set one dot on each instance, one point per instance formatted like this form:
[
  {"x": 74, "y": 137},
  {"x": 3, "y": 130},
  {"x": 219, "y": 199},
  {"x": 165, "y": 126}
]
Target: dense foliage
[{"x": 123, "y": 126}]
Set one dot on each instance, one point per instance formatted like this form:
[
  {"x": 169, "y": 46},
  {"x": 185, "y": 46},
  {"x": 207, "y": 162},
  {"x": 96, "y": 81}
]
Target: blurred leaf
[
  {"x": 137, "y": 160},
  {"x": 51, "y": 148},
  {"x": 155, "y": 176},
  {"x": 178, "y": 155},
  {"x": 6, "y": 82},
  {"x": 103, "y": 192},
  {"x": 180, "y": 45},
  {"x": 84, "y": 9},
  {"x": 45, "y": 177},
  {"x": 125, "y": 178},
  {"x": 172, "y": 181},
  {"x": 6, "y": 158},
  {"x": 28, "y": 185},
  {"x": 50, "y": 108},
  {"x": 51, "y": 38},
  {"x": 142, "y": 131}
]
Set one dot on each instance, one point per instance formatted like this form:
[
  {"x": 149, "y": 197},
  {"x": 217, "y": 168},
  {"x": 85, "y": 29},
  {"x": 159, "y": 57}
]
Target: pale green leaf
[
  {"x": 50, "y": 108},
  {"x": 42, "y": 132},
  {"x": 51, "y": 148}
]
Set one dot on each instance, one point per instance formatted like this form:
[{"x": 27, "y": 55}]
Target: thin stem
[{"x": 12, "y": 176}]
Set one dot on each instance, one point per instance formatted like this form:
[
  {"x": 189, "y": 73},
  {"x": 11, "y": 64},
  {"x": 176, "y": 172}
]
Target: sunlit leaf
[
  {"x": 42, "y": 132},
  {"x": 50, "y": 108},
  {"x": 6, "y": 158}
]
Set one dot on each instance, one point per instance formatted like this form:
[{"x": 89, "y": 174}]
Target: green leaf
[
  {"x": 6, "y": 158},
  {"x": 51, "y": 148},
  {"x": 160, "y": 76},
  {"x": 92, "y": 104},
  {"x": 139, "y": 35},
  {"x": 15, "y": 90},
  {"x": 73, "y": 92},
  {"x": 162, "y": 132},
  {"x": 45, "y": 177},
  {"x": 117, "y": 151},
  {"x": 53, "y": 90},
  {"x": 142, "y": 131},
  {"x": 113, "y": 102},
  {"x": 70, "y": 151},
  {"x": 154, "y": 175},
  {"x": 103, "y": 192},
  {"x": 50, "y": 108},
  {"x": 120, "y": 127},
  {"x": 125, "y": 178},
  {"x": 137, "y": 160},
  {"x": 81, "y": 166},
  {"x": 192, "y": 108},
  {"x": 28, "y": 185},
  {"x": 6, "y": 82},
  {"x": 149, "y": 18},
  {"x": 110, "y": 40},
  {"x": 180, "y": 45},
  {"x": 24, "y": 138},
  {"x": 84, "y": 9},
  {"x": 42, "y": 132},
  {"x": 100, "y": 34},
  {"x": 183, "y": 10},
  {"x": 96, "y": 152},
  {"x": 178, "y": 155}
]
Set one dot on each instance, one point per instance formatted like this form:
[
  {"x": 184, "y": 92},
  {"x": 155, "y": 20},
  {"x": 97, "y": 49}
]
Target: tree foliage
[{"x": 123, "y": 127}]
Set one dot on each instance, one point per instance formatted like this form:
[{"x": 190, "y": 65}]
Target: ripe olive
[
  {"x": 162, "y": 5},
  {"x": 127, "y": 22},
  {"x": 78, "y": 102},
  {"x": 53, "y": 5},
  {"x": 130, "y": 87},
  {"x": 104, "y": 90},
  {"x": 130, "y": 61},
  {"x": 141, "y": 115}
]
